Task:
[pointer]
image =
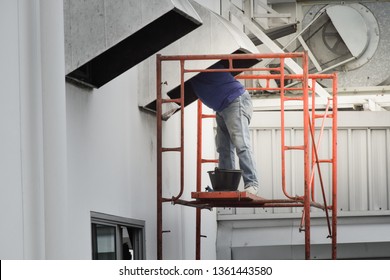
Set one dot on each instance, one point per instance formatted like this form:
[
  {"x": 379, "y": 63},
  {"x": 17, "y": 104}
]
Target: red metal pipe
[
  {"x": 205, "y": 116},
  {"x": 306, "y": 156},
  {"x": 182, "y": 98},
  {"x": 315, "y": 147},
  {"x": 181, "y": 148},
  {"x": 306, "y": 202},
  {"x": 321, "y": 76},
  {"x": 320, "y": 177},
  {"x": 253, "y": 69},
  {"x": 294, "y": 148},
  {"x": 275, "y": 89},
  {"x": 198, "y": 179},
  {"x": 177, "y": 100},
  {"x": 334, "y": 170},
  {"x": 233, "y": 56},
  {"x": 321, "y": 116},
  {"x": 159, "y": 157},
  {"x": 264, "y": 76},
  {"x": 238, "y": 204},
  {"x": 282, "y": 130},
  {"x": 209, "y": 161},
  {"x": 284, "y": 148},
  {"x": 293, "y": 98},
  {"x": 312, "y": 130}
]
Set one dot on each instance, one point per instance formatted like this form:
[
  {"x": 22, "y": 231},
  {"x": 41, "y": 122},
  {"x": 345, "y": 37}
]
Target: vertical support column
[
  {"x": 54, "y": 129},
  {"x": 11, "y": 184},
  {"x": 31, "y": 122},
  {"x": 159, "y": 156}
]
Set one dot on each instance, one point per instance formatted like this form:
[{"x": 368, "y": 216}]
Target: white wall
[
  {"x": 112, "y": 168},
  {"x": 66, "y": 150},
  {"x": 111, "y": 158},
  {"x": 33, "y": 143},
  {"x": 11, "y": 203},
  {"x": 32, "y": 129}
]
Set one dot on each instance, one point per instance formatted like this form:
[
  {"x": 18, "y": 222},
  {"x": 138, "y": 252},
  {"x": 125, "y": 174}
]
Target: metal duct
[
  {"x": 103, "y": 39},
  {"x": 215, "y": 36},
  {"x": 275, "y": 33},
  {"x": 358, "y": 32}
]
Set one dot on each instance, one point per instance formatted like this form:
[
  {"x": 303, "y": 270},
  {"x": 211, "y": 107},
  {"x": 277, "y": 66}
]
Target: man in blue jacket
[{"x": 221, "y": 92}]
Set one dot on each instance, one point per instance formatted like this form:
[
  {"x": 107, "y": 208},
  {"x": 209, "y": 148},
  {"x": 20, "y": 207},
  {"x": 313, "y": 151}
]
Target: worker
[{"x": 232, "y": 103}]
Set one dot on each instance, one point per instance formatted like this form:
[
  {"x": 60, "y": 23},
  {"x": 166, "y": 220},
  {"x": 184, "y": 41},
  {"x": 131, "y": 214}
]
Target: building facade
[{"x": 78, "y": 160}]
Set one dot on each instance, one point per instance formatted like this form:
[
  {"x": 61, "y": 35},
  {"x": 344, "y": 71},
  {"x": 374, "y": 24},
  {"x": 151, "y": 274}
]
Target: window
[{"x": 117, "y": 238}]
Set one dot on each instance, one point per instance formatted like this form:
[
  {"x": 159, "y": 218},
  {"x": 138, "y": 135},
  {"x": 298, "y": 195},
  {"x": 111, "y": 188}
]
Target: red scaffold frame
[{"x": 207, "y": 200}]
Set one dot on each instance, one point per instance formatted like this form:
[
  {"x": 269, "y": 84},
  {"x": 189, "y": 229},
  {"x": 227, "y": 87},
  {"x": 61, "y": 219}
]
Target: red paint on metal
[{"x": 207, "y": 200}]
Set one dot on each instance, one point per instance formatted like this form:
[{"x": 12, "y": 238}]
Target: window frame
[{"x": 137, "y": 228}]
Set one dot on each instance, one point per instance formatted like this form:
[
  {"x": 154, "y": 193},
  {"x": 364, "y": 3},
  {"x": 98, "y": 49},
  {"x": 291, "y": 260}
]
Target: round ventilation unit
[{"x": 352, "y": 39}]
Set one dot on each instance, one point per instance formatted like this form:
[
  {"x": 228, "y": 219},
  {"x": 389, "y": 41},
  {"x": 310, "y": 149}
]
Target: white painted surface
[
  {"x": 11, "y": 202},
  {"x": 363, "y": 189},
  {"x": 32, "y": 130},
  {"x": 105, "y": 156}
]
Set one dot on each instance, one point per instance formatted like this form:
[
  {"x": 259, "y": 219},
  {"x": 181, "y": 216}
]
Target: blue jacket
[{"x": 217, "y": 90}]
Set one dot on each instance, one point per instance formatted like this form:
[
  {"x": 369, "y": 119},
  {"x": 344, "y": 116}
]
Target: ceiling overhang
[{"x": 104, "y": 42}]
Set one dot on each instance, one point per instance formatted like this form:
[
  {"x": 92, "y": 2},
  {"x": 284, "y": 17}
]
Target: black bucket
[{"x": 225, "y": 179}]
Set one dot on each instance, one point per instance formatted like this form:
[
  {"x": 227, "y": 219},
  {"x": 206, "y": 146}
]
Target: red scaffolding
[{"x": 302, "y": 84}]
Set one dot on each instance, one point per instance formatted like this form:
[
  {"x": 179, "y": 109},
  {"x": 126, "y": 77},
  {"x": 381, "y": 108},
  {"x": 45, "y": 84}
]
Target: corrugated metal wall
[{"x": 363, "y": 162}]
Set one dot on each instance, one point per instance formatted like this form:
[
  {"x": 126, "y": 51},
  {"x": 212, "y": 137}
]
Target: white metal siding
[
  {"x": 363, "y": 161},
  {"x": 363, "y": 192}
]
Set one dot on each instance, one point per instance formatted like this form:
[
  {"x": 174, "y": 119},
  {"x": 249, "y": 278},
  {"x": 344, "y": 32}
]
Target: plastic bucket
[{"x": 225, "y": 179}]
